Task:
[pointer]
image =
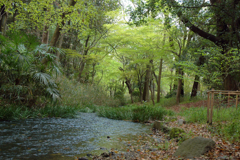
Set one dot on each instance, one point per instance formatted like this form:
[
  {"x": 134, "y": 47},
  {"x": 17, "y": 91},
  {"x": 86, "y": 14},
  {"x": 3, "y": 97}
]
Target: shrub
[
  {"x": 25, "y": 70},
  {"x": 134, "y": 113}
]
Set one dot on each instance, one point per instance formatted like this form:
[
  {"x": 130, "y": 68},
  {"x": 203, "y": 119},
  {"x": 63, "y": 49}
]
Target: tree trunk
[
  {"x": 179, "y": 87},
  {"x": 58, "y": 29},
  {"x": 182, "y": 84},
  {"x": 146, "y": 84},
  {"x": 60, "y": 46},
  {"x": 93, "y": 72},
  {"x": 171, "y": 80},
  {"x": 230, "y": 83},
  {"x": 82, "y": 65},
  {"x": 129, "y": 86},
  {"x": 179, "y": 91},
  {"x": 159, "y": 81},
  {"x": 140, "y": 87},
  {"x": 152, "y": 91},
  {"x": 3, "y": 20},
  {"x": 45, "y": 35},
  {"x": 195, "y": 86}
]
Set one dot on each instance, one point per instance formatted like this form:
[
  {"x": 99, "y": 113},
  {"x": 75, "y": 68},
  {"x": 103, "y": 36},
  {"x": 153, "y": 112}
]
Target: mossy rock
[
  {"x": 160, "y": 126},
  {"x": 176, "y": 133}
]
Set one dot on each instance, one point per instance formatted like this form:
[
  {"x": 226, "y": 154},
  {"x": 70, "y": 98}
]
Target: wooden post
[
  {"x": 228, "y": 99},
  {"x": 237, "y": 100},
  {"x": 208, "y": 106},
  {"x": 212, "y": 102}
]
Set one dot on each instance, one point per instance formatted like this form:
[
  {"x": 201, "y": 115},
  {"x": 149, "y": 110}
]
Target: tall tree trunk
[
  {"x": 146, "y": 84},
  {"x": 45, "y": 35},
  {"x": 93, "y": 72},
  {"x": 171, "y": 80},
  {"x": 129, "y": 86},
  {"x": 152, "y": 90},
  {"x": 140, "y": 87},
  {"x": 182, "y": 84},
  {"x": 230, "y": 83},
  {"x": 159, "y": 81},
  {"x": 195, "y": 86},
  {"x": 82, "y": 65},
  {"x": 3, "y": 20},
  {"x": 60, "y": 46},
  {"x": 179, "y": 87},
  {"x": 200, "y": 62},
  {"x": 58, "y": 29}
]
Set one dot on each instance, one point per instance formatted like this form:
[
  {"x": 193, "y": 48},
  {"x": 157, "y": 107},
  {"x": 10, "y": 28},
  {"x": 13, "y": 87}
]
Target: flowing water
[{"x": 65, "y": 138}]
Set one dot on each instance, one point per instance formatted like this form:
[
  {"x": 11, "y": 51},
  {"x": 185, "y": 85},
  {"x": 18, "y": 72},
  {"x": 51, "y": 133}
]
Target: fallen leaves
[{"x": 146, "y": 147}]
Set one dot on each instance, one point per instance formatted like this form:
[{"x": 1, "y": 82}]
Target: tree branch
[{"x": 194, "y": 28}]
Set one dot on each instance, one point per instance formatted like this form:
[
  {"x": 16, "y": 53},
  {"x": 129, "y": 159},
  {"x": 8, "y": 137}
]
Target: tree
[{"x": 224, "y": 16}]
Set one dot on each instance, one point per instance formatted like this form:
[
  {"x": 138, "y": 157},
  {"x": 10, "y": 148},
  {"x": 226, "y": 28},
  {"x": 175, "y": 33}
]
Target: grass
[
  {"x": 21, "y": 112},
  {"x": 199, "y": 114},
  {"x": 226, "y": 121},
  {"x": 134, "y": 113}
]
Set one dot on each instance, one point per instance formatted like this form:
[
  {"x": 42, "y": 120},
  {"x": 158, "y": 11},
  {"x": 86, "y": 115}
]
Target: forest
[{"x": 136, "y": 60}]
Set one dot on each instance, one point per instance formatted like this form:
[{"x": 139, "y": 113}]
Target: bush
[{"x": 25, "y": 70}]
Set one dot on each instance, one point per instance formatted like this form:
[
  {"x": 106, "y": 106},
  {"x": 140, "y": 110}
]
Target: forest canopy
[{"x": 147, "y": 50}]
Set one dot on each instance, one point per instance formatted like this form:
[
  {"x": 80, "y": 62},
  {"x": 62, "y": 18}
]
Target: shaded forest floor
[{"x": 158, "y": 145}]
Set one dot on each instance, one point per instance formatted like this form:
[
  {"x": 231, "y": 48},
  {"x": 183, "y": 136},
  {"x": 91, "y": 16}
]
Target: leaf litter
[{"x": 158, "y": 145}]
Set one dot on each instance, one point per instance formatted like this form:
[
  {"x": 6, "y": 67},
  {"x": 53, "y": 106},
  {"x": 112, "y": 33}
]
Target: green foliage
[
  {"x": 232, "y": 130},
  {"x": 171, "y": 94},
  {"x": 176, "y": 133},
  {"x": 80, "y": 95},
  {"x": 14, "y": 112},
  {"x": 225, "y": 120},
  {"x": 135, "y": 113},
  {"x": 25, "y": 70}
]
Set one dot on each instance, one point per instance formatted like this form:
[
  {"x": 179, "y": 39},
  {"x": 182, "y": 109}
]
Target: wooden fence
[{"x": 210, "y": 101}]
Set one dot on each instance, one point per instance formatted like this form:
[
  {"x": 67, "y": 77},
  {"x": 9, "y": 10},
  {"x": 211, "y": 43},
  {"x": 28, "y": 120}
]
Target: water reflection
[{"x": 57, "y": 138}]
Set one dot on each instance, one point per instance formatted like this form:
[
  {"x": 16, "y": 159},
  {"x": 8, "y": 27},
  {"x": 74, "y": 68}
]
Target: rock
[
  {"x": 160, "y": 126},
  {"x": 82, "y": 158},
  {"x": 180, "y": 122},
  {"x": 89, "y": 155},
  {"x": 111, "y": 153},
  {"x": 194, "y": 147},
  {"x": 105, "y": 154},
  {"x": 176, "y": 132},
  {"x": 157, "y": 140}
]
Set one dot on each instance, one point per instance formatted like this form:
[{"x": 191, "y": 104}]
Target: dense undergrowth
[
  {"x": 226, "y": 121},
  {"x": 12, "y": 112}
]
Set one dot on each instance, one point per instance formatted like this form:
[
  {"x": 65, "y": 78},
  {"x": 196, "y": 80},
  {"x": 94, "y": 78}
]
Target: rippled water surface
[{"x": 63, "y": 138}]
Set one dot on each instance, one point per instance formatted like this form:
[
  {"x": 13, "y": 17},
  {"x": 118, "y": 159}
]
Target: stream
[{"x": 65, "y": 138}]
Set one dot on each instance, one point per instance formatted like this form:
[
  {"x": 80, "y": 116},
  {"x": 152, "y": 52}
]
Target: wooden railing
[{"x": 210, "y": 101}]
